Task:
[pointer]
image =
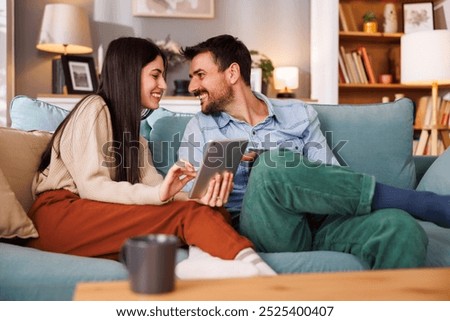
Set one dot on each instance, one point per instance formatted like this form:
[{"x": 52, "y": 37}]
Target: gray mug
[{"x": 150, "y": 260}]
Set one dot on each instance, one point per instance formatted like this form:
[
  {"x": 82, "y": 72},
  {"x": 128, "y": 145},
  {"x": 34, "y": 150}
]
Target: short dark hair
[{"x": 225, "y": 50}]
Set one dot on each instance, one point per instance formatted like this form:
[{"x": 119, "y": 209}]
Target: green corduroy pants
[{"x": 294, "y": 205}]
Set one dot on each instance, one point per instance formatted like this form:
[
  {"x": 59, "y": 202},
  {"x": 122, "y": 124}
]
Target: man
[{"x": 298, "y": 198}]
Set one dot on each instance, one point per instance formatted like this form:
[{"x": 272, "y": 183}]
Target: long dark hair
[{"x": 120, "y": 88}]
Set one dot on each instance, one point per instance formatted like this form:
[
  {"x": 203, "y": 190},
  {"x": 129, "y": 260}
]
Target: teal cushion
[
  {"x": 32, "y": 114},
  {"x": 313, "y": 261},
  {"x": 165, "y": 138},
  {"x": 437, "y": 177},
  {"x": 30, "y": 274},
  {"x": 438, "y": 250},
  {"x": 373, "y": 138}
]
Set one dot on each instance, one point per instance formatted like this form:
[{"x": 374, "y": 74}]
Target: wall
[{"x": 277, "y": 28}]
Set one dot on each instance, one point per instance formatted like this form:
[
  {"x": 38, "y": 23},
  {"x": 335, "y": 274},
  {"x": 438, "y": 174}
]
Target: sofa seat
[{"x": 375, "y": 139}]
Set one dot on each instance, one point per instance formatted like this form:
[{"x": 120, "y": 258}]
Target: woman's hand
[
  {"x": 177, "y": 176},
  {"x": 218, "y": 191}
]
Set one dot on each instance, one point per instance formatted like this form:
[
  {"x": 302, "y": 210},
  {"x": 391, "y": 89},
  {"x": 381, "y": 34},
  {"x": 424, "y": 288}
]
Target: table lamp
[
  {"x": 64, "y": 30},
  {"x": 425, "y": 60},
  {"x": 285, "y": 79}
]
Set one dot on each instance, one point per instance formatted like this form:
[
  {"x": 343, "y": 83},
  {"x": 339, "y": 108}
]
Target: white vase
[{"x": 390, "y": 18}]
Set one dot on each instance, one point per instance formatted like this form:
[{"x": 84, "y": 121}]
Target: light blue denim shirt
[{"x": 291, "y": 124}]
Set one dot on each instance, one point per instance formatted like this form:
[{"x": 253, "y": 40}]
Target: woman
[{"x": 96, "y": 185}]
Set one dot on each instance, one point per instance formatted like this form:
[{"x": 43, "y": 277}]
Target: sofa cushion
[
  {"x": 19, "y": 159},
  {"x": 32, "y": 114},
  {"x": 375, "y": 139},
  {"x": 437, "y": 177},
  {"x": 165, "y": 135},
  {"x": 14, "y": 222}
]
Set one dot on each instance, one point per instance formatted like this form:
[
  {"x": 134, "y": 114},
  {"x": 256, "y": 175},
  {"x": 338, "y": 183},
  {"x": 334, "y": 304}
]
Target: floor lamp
[
  {"x": 425, "y": 60},
  {"x": 64, "y": 30}
]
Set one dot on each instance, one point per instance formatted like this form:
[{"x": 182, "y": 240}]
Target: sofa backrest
[{"x": 372, "y": 138}]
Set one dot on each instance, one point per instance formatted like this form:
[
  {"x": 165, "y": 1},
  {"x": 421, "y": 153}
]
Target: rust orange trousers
[{"x": 69, "y": 224}]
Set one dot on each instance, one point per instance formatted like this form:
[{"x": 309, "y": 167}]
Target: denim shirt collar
[{"x": 223, "y": 119}]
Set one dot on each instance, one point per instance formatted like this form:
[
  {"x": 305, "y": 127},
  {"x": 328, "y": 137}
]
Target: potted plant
[
  {"x": 266, "y": 65},
  {"x": 370, "y": 22}
]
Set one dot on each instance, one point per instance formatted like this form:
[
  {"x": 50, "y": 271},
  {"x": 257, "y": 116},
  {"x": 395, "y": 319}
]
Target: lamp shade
[
  {"x": 65, "y": 29},
  {"x": 425, "y": 57},
  {"x": 285, "y": 78}
]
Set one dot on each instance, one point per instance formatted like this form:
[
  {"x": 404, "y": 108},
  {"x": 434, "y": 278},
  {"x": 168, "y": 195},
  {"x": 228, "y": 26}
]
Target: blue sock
[{"x": 426, "y": 206}]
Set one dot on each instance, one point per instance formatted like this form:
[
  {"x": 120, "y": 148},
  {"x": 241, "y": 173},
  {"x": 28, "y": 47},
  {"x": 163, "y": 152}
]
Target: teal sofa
[{"x": 375, "y": 139}]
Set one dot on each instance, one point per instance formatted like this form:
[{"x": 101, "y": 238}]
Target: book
[
  {"x": 350, "y": 63},
  {"x": 421, "y": 110},
  {"x": 347, "y": 64},
  {"x": 421, "y": 145},
  {"x": 428, "y": 114},
  {"x": 343, "y": 69},
  {"x": 350, "y": 19},
  {"x": 367, "y": 65},
  {"x": 342, "y": 18},
  {"x": 445, "y": 115},
  {"x": 359, "y": 67}
]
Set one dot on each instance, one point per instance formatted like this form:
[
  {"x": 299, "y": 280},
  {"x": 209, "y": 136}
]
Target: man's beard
[{"x": 218, "y": 105}]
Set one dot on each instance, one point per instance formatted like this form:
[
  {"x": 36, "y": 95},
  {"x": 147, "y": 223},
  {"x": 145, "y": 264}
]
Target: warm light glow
[
  {"x": 286, "y": 78},
  {"x": 65, "y": 30},
  {"x": 425, "y": 57}
]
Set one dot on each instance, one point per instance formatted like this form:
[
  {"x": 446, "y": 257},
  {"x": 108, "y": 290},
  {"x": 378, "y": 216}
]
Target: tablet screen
[{"x": 219, "y": 156}]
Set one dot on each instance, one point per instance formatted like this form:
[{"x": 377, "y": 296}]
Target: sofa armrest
[{"x": 422, "y": 164}]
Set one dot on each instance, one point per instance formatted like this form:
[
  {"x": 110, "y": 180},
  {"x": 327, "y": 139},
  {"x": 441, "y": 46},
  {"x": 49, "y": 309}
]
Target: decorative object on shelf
[
  {"x": 181, "y": 87},
  {"x": 256, "y": 79},
  {"x": 418, "y": 16},
  {"x": 174, "y": 8},
  {"x": 390, "y": 24},
  {"x": 386, "y": 79},
  {"x": 424, "y": 57},
  {"x": 172, "y": 51},
  {"x": 394, "y": 63},
  {"x": 370, "y": 24},
  {"x": 267, "y": 68},
  {"x": 286, "y": 79},
  {"x": 80, "y": 74},
  {"x": 64, "y": 30}
]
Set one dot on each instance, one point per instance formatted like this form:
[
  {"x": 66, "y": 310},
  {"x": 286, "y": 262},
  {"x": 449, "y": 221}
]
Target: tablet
[{"x": 219, "y": 156}]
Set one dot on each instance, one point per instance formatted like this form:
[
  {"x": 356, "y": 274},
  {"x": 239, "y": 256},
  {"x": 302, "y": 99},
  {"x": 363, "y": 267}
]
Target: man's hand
[{"x": 218, "y": 190}]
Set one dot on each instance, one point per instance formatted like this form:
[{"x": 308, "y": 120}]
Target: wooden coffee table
[{"x": 383, "y": 285}]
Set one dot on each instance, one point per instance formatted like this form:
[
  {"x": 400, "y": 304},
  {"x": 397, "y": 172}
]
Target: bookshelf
[{"x": 383, "y": 50}]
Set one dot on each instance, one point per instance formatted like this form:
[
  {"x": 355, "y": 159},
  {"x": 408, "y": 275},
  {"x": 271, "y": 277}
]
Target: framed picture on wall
[
  {"x": 174, "y": 8},
  {"x": 418, "y": 16},
  {"x": 79, "y": 73}
]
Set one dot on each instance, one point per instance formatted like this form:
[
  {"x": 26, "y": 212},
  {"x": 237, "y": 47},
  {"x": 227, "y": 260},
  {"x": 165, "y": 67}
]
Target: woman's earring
[{"x": 145, "y": 112}]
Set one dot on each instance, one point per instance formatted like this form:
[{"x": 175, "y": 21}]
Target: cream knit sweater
[{"x": 86, "y": 152}]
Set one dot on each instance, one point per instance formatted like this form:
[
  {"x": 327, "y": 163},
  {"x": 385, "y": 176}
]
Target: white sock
[
  {"x": 201, "y": 265},
  {"x": 250, "y": 256}
]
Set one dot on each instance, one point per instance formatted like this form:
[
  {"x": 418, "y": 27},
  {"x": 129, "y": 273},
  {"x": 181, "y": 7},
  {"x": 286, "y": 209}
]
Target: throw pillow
[
  {"x": 437, "y": 178},
  {"x": 19, "y": 159},
  {"x": 14, "y": 222},
  {"x": 32, "y": 114},
  {"x": 374, "y": 138}
]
